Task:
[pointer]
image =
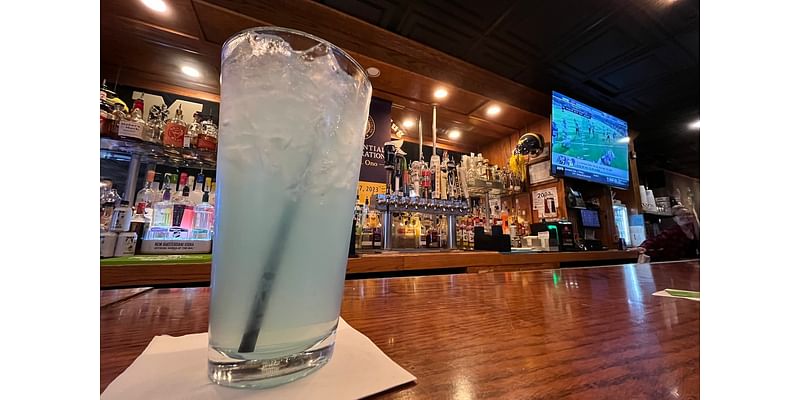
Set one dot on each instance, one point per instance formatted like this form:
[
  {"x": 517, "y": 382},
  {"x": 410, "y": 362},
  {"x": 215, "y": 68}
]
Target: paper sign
[
  {"x": 545, "y": 202},
  {"x": 367, "y": 189}
]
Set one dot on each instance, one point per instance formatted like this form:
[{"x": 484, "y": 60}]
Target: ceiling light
[
  {"x": 156, "y": 5},
  {"x": 193, "y": 72},
  {"x": 695, "y": 125},
  {"x": 625, "y": 139},
  {"x": 454, "y": 134},
  {"x": 493, "y": 110},
  {"x": 440, "y": 93},
  {"x": 408, "y": 123},
  {"x": 373, "y": 72}
]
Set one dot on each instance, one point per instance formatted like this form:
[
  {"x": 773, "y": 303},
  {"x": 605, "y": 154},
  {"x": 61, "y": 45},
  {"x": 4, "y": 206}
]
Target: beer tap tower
[{"x": 439, "y": 197}]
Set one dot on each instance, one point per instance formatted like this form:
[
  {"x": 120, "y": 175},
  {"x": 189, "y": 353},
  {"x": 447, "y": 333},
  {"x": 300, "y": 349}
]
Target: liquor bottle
[
  {"x": 154, "y": 131},
  {"x": 423, "y": 236},
  {"x": 121, "y": 218},
  {"x": 184, "y": 176},
  {"x": 146, "y": 196},
  {"x": 165, "y": 183},
  {"x": 203, "y": 224},
  {"x": 133, "y": 126},
  {"x": 193, "y": 131},
  {"x": 366, "y": 228},
  {"x": 460, "y": 233},
  {"x": 183, "y": 212},
  {"x": 116, "y": 116},
  {"x": 470, "y": 235},
  {"x": 175, "y": 130},
  {"x": 207, "y": 186},
  {"x": 433, "y": 236},
  {"x": 207, "y": 139},
  {"x": 212, "y": 197},
  {"x": 196, "y": 196},
  {"x": 106, "y": 120},
  {"x": 443, "y": 233},
  {"x": 162, "y": 210},
  {"x": 504, "y": 221}
]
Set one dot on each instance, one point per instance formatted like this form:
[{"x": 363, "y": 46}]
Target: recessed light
[
  {"x": 454, "y": 134},
  {"x": 493, "y": 110},
  {"x": 193, "y": 72},
  {"x": 695, "y": 125},
  {"x": 156, "y": 5},
  {"x": 440, "y": 93},
  {"x": 373, "y": 72},
  {"x": 408, "y": 123}
]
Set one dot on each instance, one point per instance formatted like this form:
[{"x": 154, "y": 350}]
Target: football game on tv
[{"x": 587, "y": 143}]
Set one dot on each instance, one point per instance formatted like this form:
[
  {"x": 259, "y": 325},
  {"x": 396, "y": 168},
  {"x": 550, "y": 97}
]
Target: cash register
[{"x": 561, "y": 233}]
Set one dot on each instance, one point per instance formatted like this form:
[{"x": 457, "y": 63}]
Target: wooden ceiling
[
  {"x": 636, "y": 59},
  {"x": 145, "y": 48}
]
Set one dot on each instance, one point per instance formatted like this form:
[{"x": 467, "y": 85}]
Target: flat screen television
[{"x": 587, "y": 143}]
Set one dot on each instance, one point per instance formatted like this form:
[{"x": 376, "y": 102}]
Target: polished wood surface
[
  {"x": 112, "y": 276},
  {"x": 585, "y": 333},
  {"x": 108, "y": 297}
]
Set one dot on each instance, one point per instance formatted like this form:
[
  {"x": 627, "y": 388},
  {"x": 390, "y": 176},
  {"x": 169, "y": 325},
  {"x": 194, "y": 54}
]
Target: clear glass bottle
[
  {"x": 203, "y": 224},
  {"x": 208, "y": 136},
  {"x": 154, "y": 131},
  {"x": 197, "y": 194},
  {"x": 193, "y": 132},
  {"x": 146, "y": 196},
  {"x": 162, "y": 210},
  {"x": 183, "y": 211},
  {"x": 175, "y": 130},
  {"x": 117, "y": 116}
]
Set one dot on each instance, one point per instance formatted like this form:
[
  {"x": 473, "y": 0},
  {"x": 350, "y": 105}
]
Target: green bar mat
[
  {"x": 683, "y": 293},
  {"x": 158, "y": 259}
]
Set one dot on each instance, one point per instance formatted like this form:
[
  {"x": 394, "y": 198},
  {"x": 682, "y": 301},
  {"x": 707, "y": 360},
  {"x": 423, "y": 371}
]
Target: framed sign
[
  {"x": 540, "y": 172},
  {"x": 545, "y": 201}
]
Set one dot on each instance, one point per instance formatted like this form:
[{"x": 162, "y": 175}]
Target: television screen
[
  {"x": 588, "y": 144},
  {"x": 590, "y": 218}
]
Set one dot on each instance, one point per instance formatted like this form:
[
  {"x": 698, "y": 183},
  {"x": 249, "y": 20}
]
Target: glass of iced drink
[{"x": 293, "y": 113}]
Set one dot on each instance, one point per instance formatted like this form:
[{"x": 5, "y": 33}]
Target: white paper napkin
[{"x": 175, "y": 368}]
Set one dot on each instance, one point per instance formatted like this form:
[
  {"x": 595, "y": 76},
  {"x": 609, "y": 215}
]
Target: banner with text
[{"x": 378, "y": 132}]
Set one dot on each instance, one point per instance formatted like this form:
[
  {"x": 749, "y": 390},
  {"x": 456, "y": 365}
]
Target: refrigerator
[{"x": 621, "y": 220}]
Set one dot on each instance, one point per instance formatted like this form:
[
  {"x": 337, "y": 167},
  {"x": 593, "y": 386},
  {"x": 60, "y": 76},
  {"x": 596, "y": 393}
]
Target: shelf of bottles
[
  {"x": 159, "y": 138},
  {"x": 176, "y": 217},
  {"x": 123, "y": 149}
]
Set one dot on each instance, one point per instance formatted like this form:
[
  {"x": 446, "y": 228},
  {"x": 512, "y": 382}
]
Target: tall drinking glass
[{"x": 292, "y": 118}]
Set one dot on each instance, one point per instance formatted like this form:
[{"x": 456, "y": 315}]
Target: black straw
[{"x": 261, "y": 300}]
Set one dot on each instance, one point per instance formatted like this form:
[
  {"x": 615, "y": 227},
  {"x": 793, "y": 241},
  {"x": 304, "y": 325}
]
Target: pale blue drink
[{"x": 293, "y": 112}]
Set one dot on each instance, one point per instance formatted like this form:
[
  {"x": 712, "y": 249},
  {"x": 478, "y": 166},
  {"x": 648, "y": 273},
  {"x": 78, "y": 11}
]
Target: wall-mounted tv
[{"x": 587, "y": 143}]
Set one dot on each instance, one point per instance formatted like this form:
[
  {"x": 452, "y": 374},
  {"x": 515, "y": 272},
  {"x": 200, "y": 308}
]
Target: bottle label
[
  {"x": 173, "y": 135},
  {"x": 205, "y": 142},
  {"x": 131, "y": 129},
  {"x": 140, "y": 207}
]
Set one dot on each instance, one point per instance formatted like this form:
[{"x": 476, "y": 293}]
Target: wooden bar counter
[
  {"x": 169, "y": 273},
  {"x": 578, "y": 333}
]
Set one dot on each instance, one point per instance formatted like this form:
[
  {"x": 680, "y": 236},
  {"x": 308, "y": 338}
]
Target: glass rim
[{"x": 298, "y": 33}]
